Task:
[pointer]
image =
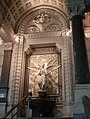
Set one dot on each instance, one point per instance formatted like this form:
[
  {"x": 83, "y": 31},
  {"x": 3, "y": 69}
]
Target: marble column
[{"x": 80, "y": 53}]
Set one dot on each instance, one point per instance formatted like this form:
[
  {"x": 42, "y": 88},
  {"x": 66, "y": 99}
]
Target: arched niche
[{"x": 37, "y": 55}]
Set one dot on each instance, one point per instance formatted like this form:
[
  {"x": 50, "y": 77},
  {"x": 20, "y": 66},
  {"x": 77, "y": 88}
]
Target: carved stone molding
[
  {"x": 53, "y": 27},
  {"x": 43, "y": 22},
  {"x": 32, "y": 29},
  {"x": 51, "y": 16},
  {"x": 13, "y": 10},
  {"x": 43, "y": 34},
  {"x": 42, "y": 18},
  {"x": 67, "y": 71},
  {"x": 16, "y": 73},
  {"x": 46, "y": 48}
]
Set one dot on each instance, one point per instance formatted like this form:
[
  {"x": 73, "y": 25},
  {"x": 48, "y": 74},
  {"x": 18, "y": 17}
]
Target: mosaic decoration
[{"x": 44, "y": 74}]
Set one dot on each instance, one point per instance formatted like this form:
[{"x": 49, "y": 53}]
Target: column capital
[{"x": 76, "y": 7}]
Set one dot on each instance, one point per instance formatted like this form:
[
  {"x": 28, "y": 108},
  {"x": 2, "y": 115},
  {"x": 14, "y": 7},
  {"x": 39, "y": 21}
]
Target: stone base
[
  {"x": 68, "y": 110},
  {"x": 80, "y": 90},
  {"x": 29, "y": 113}
]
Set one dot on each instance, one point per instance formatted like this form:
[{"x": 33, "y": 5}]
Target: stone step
[{"x": 43, "y": 118}]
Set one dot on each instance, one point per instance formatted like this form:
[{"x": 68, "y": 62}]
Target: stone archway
[{"x": 55, "y": 14}]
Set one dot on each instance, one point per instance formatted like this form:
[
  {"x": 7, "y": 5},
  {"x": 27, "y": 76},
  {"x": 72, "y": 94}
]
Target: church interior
[{"x": 45, "y": 59}]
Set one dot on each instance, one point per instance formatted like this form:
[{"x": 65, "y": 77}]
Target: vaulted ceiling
[
  {"x": 17, "y": 11},
  {"x": 29, "y": 16}
]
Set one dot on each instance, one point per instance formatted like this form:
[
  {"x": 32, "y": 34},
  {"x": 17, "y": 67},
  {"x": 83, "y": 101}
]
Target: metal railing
[{"x": 16, "y": 108}]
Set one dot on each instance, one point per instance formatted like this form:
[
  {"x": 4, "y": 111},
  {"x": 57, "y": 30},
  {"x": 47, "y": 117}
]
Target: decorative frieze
[
  {"x": 67, "y": 70},
  {"x": 67, "y": 80},
  {"x": 42, "y": 23},
  {"x": 43, "y": 35},
  {"x": 17, "y": 57},
  {"x": 14, "y": 9},
  {"x": 44, "y": 50}
]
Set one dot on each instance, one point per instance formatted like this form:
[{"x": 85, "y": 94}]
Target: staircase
[
  {"x": 44, "y": 118},
  {"x": 41, "y": 106}
]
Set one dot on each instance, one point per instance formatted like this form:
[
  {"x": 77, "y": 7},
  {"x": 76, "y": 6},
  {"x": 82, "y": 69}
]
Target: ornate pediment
[
  {"x": 42, "y": 22},
  {"x": 14, "y": 11}
]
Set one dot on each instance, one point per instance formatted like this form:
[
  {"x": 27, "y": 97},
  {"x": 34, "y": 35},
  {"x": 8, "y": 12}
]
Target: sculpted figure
[{"x": 43, "y": 74}]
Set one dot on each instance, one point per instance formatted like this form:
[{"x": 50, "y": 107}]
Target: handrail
[
  {"x": 15, "y": 106},
  {"x": 19, "y": 109}
]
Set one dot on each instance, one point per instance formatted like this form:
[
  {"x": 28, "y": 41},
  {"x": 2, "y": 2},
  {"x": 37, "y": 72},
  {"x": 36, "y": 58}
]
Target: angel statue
[{"x": 43, "y": 72}]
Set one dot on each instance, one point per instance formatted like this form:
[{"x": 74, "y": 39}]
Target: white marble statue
[{"x": 43, "y": 73}]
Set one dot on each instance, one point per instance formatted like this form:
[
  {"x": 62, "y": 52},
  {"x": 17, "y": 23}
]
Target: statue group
[{"x": 43, "y": 75}]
